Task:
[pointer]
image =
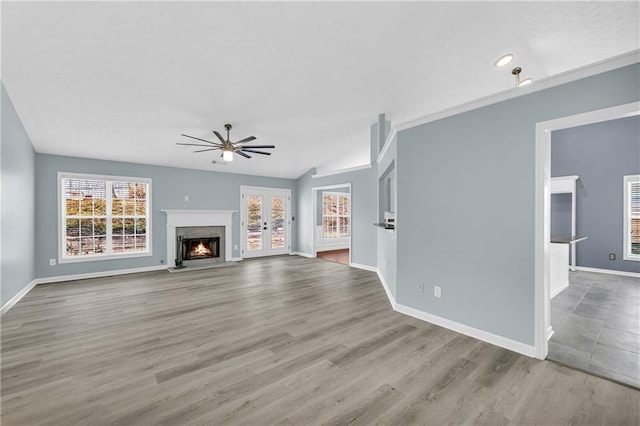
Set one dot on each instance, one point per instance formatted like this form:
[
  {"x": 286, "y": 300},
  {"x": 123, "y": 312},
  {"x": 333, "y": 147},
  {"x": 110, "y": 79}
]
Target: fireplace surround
[{"x": 191, "y": 224}]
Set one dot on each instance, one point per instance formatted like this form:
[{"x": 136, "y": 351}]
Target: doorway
[
  {"x": 265, "y": 220},
  {"x": 331, "y": 233},
  {"x": 544, "y": 329}
]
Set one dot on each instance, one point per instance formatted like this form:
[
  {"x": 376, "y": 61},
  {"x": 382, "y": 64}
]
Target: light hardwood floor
[
  {"x": 340, "y": 256},
  {"x": 285, "y": 340}
]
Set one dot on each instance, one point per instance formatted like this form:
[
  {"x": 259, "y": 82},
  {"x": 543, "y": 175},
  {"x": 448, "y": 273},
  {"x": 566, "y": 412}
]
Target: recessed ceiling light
[{"x": 504, "y": 60}]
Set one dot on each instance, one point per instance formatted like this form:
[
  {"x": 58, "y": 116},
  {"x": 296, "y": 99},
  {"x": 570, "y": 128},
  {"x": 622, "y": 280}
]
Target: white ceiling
[{"x": 121, "y": 81}]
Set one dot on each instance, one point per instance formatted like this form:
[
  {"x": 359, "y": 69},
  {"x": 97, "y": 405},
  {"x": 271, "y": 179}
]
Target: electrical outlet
[
  {"x": 421, "y": 287},
  {"x": 235, "y": 247},
  {"x": 612, "y": 256},
  {"x": 437, "y": 292},
  {"x": 186, "y": 198},
  {"x": 52, "y": 262}
]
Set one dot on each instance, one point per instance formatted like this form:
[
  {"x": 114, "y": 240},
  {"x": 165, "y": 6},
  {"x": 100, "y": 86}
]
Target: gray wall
[
  {"x": 363, "y": 211},
  {"x": 601, "y": 154},
  {"x": 466, "y": 204},
  {"x": 18, "y": 203},
  {"x": 364, "y": 203},
  {"x": 387, "y": 244},
  {"x": 206, "y": 190}
]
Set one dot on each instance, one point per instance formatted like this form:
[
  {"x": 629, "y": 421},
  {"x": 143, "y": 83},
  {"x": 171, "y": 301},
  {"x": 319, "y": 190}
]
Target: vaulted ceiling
[{"x": 122, "y": 81}]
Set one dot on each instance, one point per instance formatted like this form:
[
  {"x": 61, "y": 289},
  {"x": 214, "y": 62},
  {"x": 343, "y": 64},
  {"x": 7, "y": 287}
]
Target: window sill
[{"x": 102, "y": 257}]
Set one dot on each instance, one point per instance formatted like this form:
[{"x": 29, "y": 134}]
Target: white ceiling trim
[
  {"x": 610, "y": 64},
  {"x": 386, "y": 145},
  {"x": 339, "y": 172}
]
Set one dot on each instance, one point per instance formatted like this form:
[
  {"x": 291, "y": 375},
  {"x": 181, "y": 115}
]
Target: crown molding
[
  {"x": 341, "y": 171},
  {"x": 600, "y": 67}
]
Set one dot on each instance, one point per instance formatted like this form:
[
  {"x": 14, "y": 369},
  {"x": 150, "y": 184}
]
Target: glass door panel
[
  {"x": 255, "y": 203},
  {"x": 265, "y": 221},
  {"x": 278, "y": 221}
]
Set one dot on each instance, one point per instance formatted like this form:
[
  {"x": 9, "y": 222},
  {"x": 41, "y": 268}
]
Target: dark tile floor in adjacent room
[{"x": 597, "y": 326}]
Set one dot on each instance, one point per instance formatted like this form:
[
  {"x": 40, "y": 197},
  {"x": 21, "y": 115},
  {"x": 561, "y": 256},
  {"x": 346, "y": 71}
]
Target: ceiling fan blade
[
  {"x": 255, "y": 152},
  {"x": 208, "y": 149},
  {"x": 249, "y": 139},
  {"x": 203, "y": 140},
  {"x": 243, "y": 154},
  {"x": 259, "y": 146},
  {"x": 219, "y": 136},
  {"x": 195, "y": 144}
]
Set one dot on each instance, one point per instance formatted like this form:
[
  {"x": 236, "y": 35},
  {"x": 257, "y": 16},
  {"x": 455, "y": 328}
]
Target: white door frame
[
  {"x": 314, "y": 214},
  {"x": 543, "y": 330},
  {"x": 243, "y": 218}
]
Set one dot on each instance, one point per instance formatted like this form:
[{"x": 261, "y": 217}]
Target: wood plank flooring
[
  {"x": 340, "y": 256},
  {"x": 284, "y": 340}
]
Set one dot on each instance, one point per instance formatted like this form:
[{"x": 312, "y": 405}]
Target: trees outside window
[
  {"x": 104, "y": 217},
  {"x": 336, "y": 215}
]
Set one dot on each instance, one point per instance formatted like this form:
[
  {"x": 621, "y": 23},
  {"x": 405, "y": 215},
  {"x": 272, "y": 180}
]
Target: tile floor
[{"x": 597, "y": 326}]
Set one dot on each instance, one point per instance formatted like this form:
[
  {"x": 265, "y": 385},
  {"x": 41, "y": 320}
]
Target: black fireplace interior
[{"x": 200, "y": 248}]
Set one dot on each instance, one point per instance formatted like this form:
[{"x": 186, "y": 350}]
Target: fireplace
[
  {"x": 199, "y": 225},
  {"x": 200, "y": 248}
]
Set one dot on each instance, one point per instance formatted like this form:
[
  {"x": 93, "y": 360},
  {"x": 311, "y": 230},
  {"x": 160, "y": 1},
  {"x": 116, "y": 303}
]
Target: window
[
  {"x": 631, "y": 217},
  {"x": 104, "y": 217},
  {"x": 336, "y": 214}
]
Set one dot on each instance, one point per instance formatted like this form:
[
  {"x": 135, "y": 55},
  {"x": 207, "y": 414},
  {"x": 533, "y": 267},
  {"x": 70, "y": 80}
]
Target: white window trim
[
  {"x": 336, "y": 240},
  {"x": 61, "y": 219},
  {"x": 626, "y": 248}
]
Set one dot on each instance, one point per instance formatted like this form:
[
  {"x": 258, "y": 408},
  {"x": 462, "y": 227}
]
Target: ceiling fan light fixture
[
  {"x": 504, "y": 60},
  {"x": 227, "y": 148}
]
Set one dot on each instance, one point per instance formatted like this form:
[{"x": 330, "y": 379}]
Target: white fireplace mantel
[{"x": 177, "y": 218}]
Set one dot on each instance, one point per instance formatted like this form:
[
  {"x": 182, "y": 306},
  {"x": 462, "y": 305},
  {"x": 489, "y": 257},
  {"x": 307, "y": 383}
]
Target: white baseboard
[
  {"x": 392, "y": 299},
  {"x": 236, "y": 259},
  {"x": 609, "y": 271},
  {"x": 485, "y": 336},
  {"x": 301, "y": 253},
  {"x": 15, "y": 299},
  {"x": 494, "y": 339},
  {"x": 365, "y": 267},
  {"x": 558, "y": 290},
  {"x": 333, "y": 247},
  {"x": 60, "y": 278}
]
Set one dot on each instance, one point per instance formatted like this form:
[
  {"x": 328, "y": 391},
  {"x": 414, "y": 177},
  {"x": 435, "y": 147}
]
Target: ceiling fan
[{"x": 227, "y": 147}]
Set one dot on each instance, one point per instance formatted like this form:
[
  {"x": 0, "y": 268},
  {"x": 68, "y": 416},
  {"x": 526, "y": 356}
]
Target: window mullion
[{"x": 109, "y": 189}]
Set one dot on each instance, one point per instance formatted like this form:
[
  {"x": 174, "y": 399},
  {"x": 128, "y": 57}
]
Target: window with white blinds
[
  {"x": 632, "y": 217},
  {"x": 104, "y": 217},
  {"x": 336, "y": 215}
]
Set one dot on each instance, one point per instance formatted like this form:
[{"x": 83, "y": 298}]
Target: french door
[{"x": 265, "y": 221}]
